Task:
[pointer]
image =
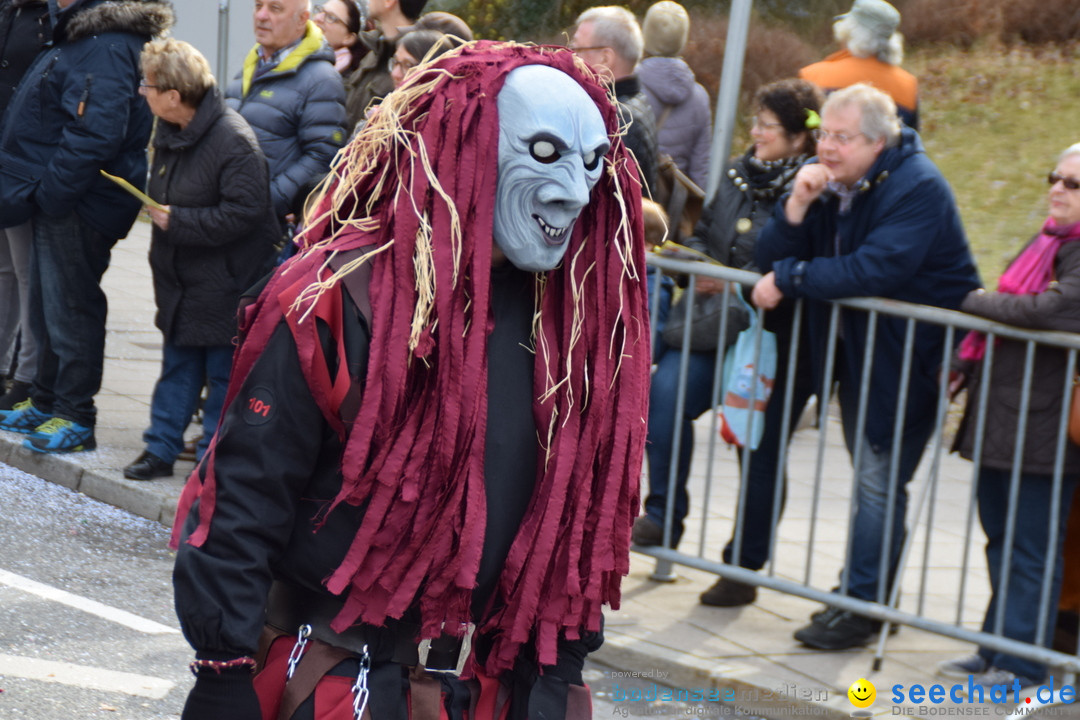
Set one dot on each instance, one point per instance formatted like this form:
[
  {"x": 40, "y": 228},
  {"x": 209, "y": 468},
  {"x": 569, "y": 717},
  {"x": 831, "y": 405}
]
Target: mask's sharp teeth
[{"x": 548, "y": 230}]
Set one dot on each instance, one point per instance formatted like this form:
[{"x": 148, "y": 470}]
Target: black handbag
[{"x": 704, "y": 321}]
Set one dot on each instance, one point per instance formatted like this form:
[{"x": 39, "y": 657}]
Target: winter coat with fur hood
[{"x": 79, "y": 111}]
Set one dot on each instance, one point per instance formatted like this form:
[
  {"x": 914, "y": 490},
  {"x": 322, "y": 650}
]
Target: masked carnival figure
[{"x": 421, "y": 492}]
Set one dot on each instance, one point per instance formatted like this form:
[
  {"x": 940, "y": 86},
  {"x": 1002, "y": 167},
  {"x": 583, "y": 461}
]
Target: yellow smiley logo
[{"x": 862, "y": 693}]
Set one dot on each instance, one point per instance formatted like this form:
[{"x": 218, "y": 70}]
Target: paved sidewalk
[{"x": 661, "y": 630}]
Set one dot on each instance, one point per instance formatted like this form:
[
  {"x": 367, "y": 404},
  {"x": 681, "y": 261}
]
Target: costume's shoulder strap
[
  {"x": 333, "y": 358},
  {"x": 357, "y": 282},
  {"x": 356, "y": 285}
]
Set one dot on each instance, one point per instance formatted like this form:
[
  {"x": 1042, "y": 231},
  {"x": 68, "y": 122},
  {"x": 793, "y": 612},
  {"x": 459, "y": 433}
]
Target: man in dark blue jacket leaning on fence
[
  {"x": 873, "y": 217},
  {"x": 78, "y": 112}
]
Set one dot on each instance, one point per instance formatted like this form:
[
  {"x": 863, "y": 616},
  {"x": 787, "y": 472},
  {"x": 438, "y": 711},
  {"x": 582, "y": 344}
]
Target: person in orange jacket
[{"x": 871, "y": 52}]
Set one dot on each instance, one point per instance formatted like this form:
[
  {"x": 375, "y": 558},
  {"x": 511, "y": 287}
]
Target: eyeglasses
[
  {"x": 842, "y": 139},
  {"x": 327, "y": 15},
  {"x": 573, "y": 49},
  {"x": 755, "y": 122},
  {"x": 148, "y": 86},
  {"x": 1069, "y": 183},
  {"x": 403, "y": 64}
]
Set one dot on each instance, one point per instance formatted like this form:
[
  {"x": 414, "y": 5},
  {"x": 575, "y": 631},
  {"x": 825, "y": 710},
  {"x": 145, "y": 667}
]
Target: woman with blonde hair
[{"x": 214, "y": 234}]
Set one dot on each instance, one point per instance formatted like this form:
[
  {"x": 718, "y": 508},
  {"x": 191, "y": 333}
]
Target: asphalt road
[{"x": 87, "y": 628}]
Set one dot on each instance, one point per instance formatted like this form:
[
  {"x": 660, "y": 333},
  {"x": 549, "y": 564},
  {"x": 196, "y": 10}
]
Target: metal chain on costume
[
  {"x": 298, "y": 650},
  {"x": 360, "y": 687}
]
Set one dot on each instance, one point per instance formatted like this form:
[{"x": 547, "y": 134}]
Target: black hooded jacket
[{"x": 222, "y": 228}]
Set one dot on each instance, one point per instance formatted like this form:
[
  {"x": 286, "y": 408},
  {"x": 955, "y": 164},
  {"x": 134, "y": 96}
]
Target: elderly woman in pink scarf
[{"x": 1039, "y": 290}]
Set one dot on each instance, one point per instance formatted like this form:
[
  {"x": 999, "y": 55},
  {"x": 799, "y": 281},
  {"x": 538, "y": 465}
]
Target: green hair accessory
[{"x": 813, "y": 120}]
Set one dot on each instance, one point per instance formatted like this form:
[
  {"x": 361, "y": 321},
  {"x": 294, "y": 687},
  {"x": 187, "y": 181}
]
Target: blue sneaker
[
  {"x": 60, "y": 435},
  {"x": 23, "y": 418}
]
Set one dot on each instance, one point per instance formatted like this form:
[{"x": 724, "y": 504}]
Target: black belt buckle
[{"x": 446, "y": 654}]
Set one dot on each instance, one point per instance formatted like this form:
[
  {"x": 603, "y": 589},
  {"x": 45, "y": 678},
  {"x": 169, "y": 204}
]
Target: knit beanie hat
[
  {"x": 877, "y": 16},
  {"x": 665, "y": 29}
]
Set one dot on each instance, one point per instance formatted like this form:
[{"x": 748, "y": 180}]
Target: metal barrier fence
[{"x": 923, "y": 609}]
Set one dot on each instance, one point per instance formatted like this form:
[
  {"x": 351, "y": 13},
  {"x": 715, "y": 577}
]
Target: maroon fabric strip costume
[{"x": 415, "y": 454}]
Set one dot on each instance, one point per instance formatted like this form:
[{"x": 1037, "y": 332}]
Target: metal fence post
[
  {"x": 727, "y": 101},
  {"x": 223, "y": 42}
]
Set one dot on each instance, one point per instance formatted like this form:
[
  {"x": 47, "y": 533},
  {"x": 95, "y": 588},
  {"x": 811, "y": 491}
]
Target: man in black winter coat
[
  {"x": 24, "y": 31},
  {"x": 89, "y": 117},
  {"x": 609, "y": 38}
]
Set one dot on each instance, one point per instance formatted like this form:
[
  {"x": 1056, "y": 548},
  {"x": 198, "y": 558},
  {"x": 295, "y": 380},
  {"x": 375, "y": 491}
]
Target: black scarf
[{"x": 769, "y": 179}]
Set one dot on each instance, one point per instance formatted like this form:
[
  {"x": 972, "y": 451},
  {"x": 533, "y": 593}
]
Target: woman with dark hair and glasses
[
  {"x": 786, "y": 112},
  {"x": 341, "y": 22},
  {"x": 1039, "y": 290},
  {"x": 413, "y": 47}
]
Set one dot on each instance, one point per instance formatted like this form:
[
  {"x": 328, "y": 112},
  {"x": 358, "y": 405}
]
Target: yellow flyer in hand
[
  {"x": 681, "y": 252},
  {"x": 146, "y": 199}
]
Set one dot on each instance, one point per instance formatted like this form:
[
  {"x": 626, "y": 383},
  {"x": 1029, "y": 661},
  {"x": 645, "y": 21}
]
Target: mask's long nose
[{"x": 570, "y": 190}]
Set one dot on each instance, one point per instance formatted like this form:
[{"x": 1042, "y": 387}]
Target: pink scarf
[
  {"x": 342, "y": 58},
  {"x": 1028, "y": 274}
]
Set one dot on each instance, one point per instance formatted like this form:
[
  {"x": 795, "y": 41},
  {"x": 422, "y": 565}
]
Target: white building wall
[{"x": 220, "y": 29}]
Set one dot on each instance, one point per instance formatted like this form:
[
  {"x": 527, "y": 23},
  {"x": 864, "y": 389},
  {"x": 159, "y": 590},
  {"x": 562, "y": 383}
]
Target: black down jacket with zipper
[{"x": 221, "y": 234}]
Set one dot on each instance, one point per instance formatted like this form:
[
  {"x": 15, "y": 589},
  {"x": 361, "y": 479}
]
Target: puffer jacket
[
  {"x": 1056, "y": 308},
  {"x": 902, "y": 239},
  {"x": 78, "y": 111},
  {"x": 297, "y": 110},
  {"x": 686, "y": 132},
  {"x": 24, "y": 32},
  {"x": 221, "y": 232}
]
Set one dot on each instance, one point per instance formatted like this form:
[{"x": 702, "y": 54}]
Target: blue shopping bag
[{"x": 749, "y": 376}]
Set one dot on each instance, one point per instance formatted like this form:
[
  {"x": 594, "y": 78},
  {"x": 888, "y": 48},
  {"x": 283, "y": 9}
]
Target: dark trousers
[
  {"x": 869, "y": 577},
  {"x": 755, "y": 533},
  {"x": 67, "y": 315},
  {"x": 1029, "y": 559},
  {"x": 184, "y": 371},
  {"x": 663, "y": 422}
]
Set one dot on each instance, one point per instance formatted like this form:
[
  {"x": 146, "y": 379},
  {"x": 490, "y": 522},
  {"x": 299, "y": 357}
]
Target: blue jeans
[
  {"x": 663, "y": 395},
  {"x": 184, "y": 371},
  {"x": 871, "y": 500},
  {"x": 67, "y": 315},
  {"x": 1028, "y": 560}
]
